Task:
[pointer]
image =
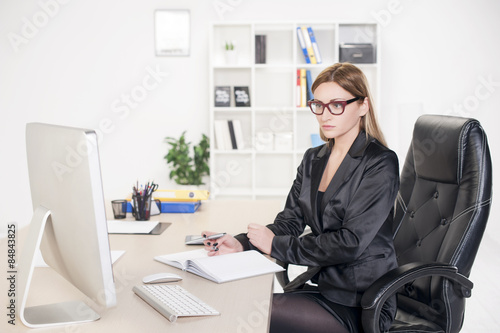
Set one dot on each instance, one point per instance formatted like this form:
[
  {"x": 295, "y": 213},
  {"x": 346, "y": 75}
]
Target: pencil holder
[{"x": 141, "y": 209}]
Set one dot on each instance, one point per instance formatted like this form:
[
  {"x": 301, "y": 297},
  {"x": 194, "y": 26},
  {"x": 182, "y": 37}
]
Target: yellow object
[
  {"x": 303, "y": 88},
  {"x": 181, "y": 195},
  {"x": 309, "y": 47}
]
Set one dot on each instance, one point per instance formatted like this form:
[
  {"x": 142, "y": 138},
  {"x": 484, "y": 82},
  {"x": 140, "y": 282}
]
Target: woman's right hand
[{"x": 223, "y": 245}]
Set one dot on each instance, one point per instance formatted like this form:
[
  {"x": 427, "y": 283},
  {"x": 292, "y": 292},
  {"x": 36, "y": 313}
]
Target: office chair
[{"x": 440, "y": 217}]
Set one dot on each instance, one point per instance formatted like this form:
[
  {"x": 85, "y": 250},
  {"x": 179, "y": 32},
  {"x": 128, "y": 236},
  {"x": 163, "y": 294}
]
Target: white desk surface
[{"x": 244, "y": 304}]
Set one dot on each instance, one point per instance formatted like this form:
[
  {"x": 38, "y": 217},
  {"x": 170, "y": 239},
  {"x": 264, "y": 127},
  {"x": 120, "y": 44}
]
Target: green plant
[
  {"x": 229, "y": 46},
  {"x": 188, "y": 168}
]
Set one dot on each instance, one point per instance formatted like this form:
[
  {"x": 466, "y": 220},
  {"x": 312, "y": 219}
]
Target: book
[
  {"x": 232, "y": 135},
  {"x": 309, "y": 47},
  {"x": 222, "y": 135},
  {"x": 302, "y": 44},
  {"x": 264, "y": 49},
  {"x": 260, "y": 49},
  {"x": 222, "y": 96},
  {"x": 314, "y": 44},
  {"x": 241, "y": 96},
  {"x": 228, "y": 134},
  {"x": 238, "y": 133},
  {"x": 221, "y": 268}
]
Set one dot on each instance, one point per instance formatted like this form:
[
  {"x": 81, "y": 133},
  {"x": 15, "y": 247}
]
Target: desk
[{"x": 244, "y": 304}]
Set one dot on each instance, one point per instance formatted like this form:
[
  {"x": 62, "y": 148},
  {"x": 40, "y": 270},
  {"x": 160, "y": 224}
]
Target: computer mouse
[{"x": 161, "y": 278}]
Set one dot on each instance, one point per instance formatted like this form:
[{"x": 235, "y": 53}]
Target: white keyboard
[{"x": 173, "y": 301}]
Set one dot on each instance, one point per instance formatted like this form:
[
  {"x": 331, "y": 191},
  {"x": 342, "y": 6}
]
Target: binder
[
  {"x": 302, "y": 44},
  {"x": 298, "y": 88},
  {"x": 181, "y": 195},
  {"x": 309, "y": 85},
  {"x": 309, "y": 47},
  {"x": 303, "y": 88},
  {"x": 260, "y": 49},
  {"x": 314, "y": 45}
]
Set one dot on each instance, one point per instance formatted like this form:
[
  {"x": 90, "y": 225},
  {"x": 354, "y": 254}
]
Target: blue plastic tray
[{"x": 175, "y": 207}]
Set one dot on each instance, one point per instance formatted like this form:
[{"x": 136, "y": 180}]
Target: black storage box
[{"x": 357, "y": 53}]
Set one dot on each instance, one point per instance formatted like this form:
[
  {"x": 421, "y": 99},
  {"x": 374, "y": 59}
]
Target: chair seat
[{"x": 407, "y": 322}]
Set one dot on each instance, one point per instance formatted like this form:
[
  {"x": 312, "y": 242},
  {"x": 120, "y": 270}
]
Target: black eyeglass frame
[{"x": 327, "y": 105}]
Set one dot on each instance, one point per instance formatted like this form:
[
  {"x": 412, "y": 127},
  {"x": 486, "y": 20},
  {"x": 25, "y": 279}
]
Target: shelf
[
  {"x": 232, "y": 109},
  {"x": 260, "y": 170},
  {"x": 264, "y": 109},
  {"x": 275, "y": 152},
  {"x": 233, "y": 151},
  {"x": 275, "y": 66},
  {"x": 233, "y": 66}
]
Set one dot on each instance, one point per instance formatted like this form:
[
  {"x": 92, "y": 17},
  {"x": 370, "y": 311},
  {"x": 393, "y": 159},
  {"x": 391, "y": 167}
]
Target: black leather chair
[
  {"x": 440, "y": 217},
  {"x": 441, "y": 212}
]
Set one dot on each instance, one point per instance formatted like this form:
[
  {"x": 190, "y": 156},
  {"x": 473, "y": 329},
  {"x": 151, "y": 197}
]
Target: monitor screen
[{"x": 69, "y": 221}]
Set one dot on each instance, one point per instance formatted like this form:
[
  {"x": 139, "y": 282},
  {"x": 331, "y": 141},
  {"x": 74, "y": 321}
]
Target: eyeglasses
[{"x": 335, "y": 106}]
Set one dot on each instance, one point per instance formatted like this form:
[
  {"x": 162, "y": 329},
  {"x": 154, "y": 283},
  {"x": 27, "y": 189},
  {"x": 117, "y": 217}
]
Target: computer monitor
[{"x": 69, "y": 223}]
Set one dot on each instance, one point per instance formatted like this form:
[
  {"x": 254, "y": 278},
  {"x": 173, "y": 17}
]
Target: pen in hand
[
  {"x": 222, "y": 243},
  {"x": 214, "y": 236}
]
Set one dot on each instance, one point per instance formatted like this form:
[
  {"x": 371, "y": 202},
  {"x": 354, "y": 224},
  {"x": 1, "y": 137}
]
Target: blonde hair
[{"x": 352, "y": 79}]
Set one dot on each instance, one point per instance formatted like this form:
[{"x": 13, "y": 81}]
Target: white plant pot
[{"x": 231, "y": 57}]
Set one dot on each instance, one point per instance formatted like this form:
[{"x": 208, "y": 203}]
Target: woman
[{"x": 344, "y": 191}]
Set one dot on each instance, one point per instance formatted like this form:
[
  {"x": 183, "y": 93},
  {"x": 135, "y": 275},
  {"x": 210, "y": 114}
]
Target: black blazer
[{"x": 353, "y": 246}]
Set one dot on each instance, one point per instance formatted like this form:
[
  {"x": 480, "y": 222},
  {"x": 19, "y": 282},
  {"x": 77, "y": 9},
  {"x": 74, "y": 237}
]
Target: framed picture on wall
[{"x": 172, "y": 32}]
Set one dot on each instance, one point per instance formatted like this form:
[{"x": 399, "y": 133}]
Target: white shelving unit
[{"x": 254, "y": 172}]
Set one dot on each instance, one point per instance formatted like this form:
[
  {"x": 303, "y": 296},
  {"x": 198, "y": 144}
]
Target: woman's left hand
[{"x": 261, "y": 237}]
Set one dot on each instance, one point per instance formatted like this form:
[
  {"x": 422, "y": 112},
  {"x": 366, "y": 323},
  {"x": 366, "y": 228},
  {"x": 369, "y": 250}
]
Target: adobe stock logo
[
  {"x": 31, "y": 27},
  {"x": 483, "y": 90},
  {"x": 222, "y": 7}
]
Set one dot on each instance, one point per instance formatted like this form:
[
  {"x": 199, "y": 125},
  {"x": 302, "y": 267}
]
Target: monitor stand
[{"x": 51, "y": 314}]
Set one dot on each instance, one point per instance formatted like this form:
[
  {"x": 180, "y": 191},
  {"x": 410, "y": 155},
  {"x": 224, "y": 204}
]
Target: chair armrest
[
  {"x": 375, "y": 296},
  {"x": 282, "y": 276}
]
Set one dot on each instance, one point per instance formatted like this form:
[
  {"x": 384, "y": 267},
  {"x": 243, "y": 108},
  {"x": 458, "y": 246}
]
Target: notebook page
[
  {"x": 234, "y": 266},
  {"x": 180, "y": 259}
]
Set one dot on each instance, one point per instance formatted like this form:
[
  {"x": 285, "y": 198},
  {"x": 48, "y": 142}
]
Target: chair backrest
[{"x": 441, "y": 212}]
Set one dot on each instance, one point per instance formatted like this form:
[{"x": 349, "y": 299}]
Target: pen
[{"x": 215, "y": 236}]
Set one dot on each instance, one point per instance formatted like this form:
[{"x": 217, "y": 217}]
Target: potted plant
[
  {"x": 188, "y": 167},
  {"x": 230, "y": 52}
]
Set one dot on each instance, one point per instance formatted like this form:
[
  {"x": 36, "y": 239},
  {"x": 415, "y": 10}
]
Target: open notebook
[{"x": 221, "y": 268}]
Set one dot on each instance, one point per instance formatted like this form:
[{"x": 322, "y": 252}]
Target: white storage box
[
  {"x": 283, "y": 141},
  {"x": 264, "y": 141}
]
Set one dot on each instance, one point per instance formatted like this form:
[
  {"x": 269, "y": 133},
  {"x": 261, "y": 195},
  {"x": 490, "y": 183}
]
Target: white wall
[{"x": 76, "y": 68}]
